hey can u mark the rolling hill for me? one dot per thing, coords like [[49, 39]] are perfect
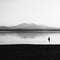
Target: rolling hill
[[30, 26]]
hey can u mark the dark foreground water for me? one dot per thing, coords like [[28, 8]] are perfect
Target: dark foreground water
[[29, 52], [29, 38]]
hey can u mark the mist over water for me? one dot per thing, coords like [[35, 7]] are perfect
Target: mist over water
[[29, 38]]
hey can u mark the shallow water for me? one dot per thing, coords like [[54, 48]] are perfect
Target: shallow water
[[29, 38]]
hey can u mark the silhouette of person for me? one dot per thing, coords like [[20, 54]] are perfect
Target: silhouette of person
[[49, 39]]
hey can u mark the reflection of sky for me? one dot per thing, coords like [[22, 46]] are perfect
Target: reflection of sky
[[14, 12], [22, 38], [26, 35], [26, 38]]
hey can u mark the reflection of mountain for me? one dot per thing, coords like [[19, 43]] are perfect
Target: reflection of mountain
[[24, 35], [31, 35]]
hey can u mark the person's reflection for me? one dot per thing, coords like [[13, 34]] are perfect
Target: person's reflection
[[49, 39]]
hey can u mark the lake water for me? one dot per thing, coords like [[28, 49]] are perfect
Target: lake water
[[29, 38]]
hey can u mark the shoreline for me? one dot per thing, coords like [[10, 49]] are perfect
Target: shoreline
[[29, 31]]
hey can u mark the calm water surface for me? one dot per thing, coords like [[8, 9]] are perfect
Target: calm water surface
[[29, 38]]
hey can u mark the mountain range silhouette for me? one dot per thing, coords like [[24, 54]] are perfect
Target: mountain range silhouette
[[30, 26], [27, 26]]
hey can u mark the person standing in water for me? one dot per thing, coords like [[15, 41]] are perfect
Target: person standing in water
[[49, 39]]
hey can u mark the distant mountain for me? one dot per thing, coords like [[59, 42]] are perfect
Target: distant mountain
[[30, 26], [4, 27], [27, 26]]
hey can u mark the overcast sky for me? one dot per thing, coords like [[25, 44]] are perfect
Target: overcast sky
[[45, 12]]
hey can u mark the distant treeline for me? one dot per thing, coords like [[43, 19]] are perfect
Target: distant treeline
[[29, 29]]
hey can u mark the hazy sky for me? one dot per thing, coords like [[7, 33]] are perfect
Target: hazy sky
[[14, 12]]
